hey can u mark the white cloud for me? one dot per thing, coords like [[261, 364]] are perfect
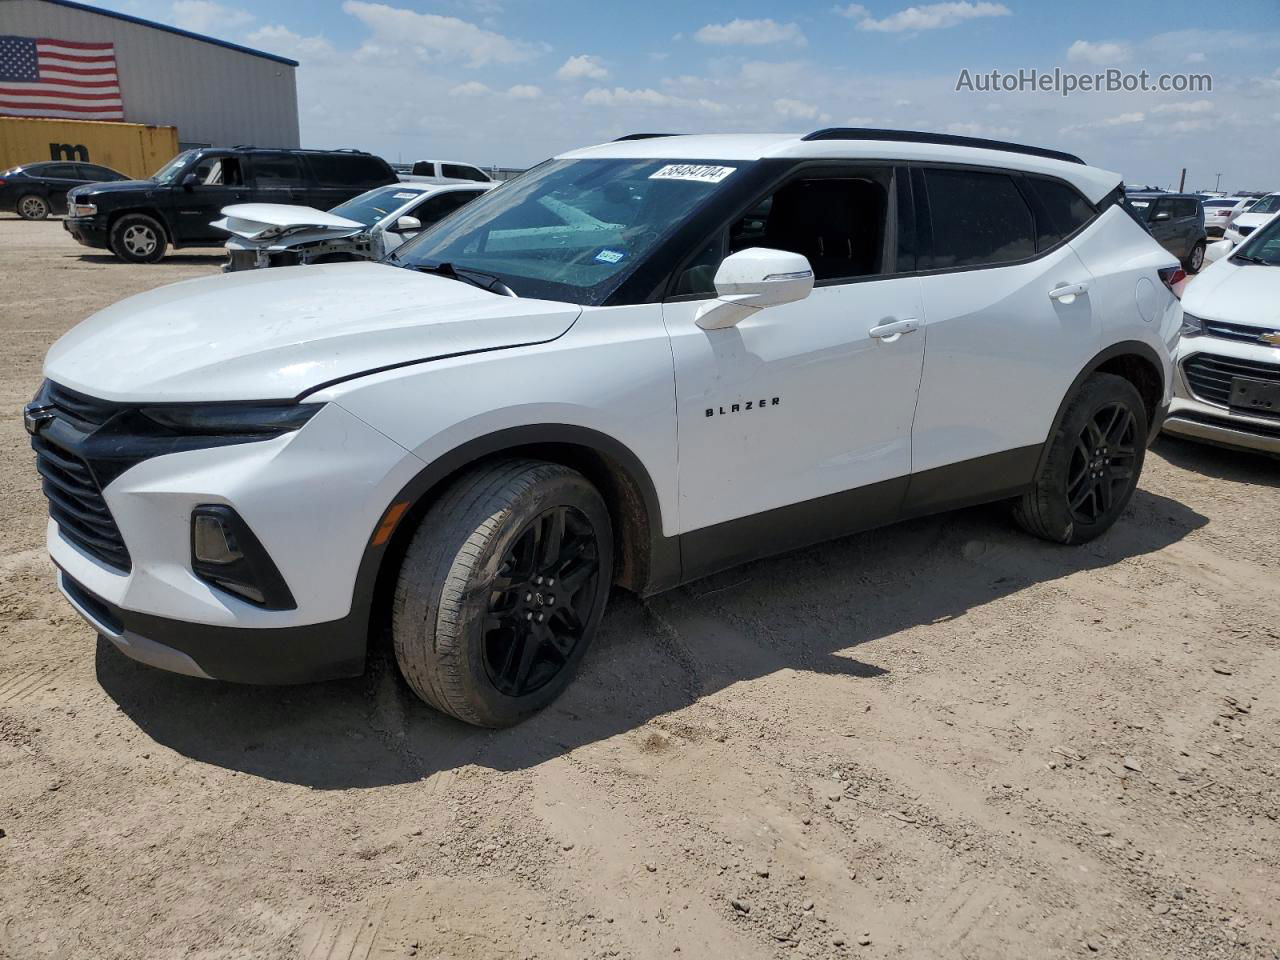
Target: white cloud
[[283, 41], [752, 33], [205, 16], [1098, 54], [1196, 57], [1185, 106], [433, 37], [797, 109], [582, 67], [524, 91], [473, 88], [854, 11], [645, 97], [933, 16], [1124, 119], [981, 130]]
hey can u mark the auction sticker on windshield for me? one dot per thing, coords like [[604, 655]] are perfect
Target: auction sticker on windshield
[[700, 172]]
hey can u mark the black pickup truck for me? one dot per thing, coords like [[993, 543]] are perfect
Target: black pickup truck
[[137, 219]]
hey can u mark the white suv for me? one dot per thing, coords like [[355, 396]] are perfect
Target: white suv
[[637, 364]]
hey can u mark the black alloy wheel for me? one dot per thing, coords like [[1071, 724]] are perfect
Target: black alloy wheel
[[1101, 463], [541, 601]]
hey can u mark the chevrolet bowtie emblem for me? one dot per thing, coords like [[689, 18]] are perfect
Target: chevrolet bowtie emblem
[[35, 417], [1272, 338]]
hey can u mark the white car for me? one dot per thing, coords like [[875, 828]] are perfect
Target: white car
[[1243, 224], [638, 364], [1228, 386], [367, 227], [1219, 212], [448, 171]]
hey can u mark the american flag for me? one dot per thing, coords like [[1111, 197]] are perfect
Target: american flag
[[59, 78]]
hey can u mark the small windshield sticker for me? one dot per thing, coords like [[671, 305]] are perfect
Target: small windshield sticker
[[699, 172], [403, 196], [610, 256]]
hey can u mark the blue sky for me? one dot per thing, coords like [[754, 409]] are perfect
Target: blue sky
[[513, 81]]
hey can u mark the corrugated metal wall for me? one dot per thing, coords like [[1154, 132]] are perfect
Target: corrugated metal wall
[[131, 148], [212, 94]]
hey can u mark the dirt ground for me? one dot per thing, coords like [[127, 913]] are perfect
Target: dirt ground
[[943, 740]]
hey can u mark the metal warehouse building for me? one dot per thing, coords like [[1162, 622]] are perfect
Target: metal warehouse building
[[216, 93]]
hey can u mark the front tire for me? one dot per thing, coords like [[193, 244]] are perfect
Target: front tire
[[501, 590], [1093, 464], [32, 206], [138, 238]]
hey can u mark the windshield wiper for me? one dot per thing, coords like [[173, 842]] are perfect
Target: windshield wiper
[[1250, 258], [491, 281]]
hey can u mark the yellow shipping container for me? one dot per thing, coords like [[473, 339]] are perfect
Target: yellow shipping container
[[136, 149]]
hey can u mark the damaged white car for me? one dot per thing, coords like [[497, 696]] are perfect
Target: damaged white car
[[367, 227]]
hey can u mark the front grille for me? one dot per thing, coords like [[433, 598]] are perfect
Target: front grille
[[1209, 376], [75, 495], [1234, 331]]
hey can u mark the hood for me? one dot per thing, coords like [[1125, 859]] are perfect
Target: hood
[[265, 221], [1251, 219], [114, 186], [1236, 293], [275, 334]]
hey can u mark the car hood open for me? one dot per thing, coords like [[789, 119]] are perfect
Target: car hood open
[[278, 333], [258, 222], [1236, 293]]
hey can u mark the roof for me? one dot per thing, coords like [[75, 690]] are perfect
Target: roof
[[127, 18], [1093, 182]]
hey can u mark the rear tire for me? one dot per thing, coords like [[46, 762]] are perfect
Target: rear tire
[[1195, 262], [32, 206], [1093, 464], [501, 590], [138, 238]]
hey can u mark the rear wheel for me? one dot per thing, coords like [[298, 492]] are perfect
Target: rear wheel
[[138, 238], [32, 206], [1195, 262], [1093, 464], [501, 590]]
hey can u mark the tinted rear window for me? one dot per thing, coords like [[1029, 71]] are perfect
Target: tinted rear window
[[978, 219], [1067, 210], [460, 171], [424, 168], [277, 168], [1185, 208], [348, 170]]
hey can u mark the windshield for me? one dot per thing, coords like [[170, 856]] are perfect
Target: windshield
[[1263, 246], [170, 170], [570, 230], [372, 205], [1267, 204]]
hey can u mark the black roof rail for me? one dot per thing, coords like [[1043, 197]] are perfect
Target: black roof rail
[[944, 139], [644, 136]]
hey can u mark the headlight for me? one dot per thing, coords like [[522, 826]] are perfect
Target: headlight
[[1192, 326], [79, 208], [232, 419]]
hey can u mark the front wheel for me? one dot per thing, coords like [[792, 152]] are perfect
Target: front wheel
[[32, 206], [138, 238], [1093, 463], [501, 590]]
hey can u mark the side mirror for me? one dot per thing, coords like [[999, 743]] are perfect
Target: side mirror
[[753, 279], [1163, 215], [190, 180], [408, 224], [1216, 251]]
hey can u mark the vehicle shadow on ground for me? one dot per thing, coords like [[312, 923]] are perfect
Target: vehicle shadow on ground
[[178, 259], [821, 609], [1224, 463]]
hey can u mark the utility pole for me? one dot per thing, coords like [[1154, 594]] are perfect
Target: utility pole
[[1217, 182], [1182, 181]]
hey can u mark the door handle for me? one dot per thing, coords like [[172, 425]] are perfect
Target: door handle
[[894, 329], [1067, 292]]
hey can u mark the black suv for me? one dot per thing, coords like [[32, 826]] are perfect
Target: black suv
[[1176, 220], [137, 219]]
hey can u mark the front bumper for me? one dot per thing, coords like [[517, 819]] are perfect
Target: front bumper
[[312, 498], [1192, 417], [87, 231]]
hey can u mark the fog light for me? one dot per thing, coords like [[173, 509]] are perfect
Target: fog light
[[225, 553]]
